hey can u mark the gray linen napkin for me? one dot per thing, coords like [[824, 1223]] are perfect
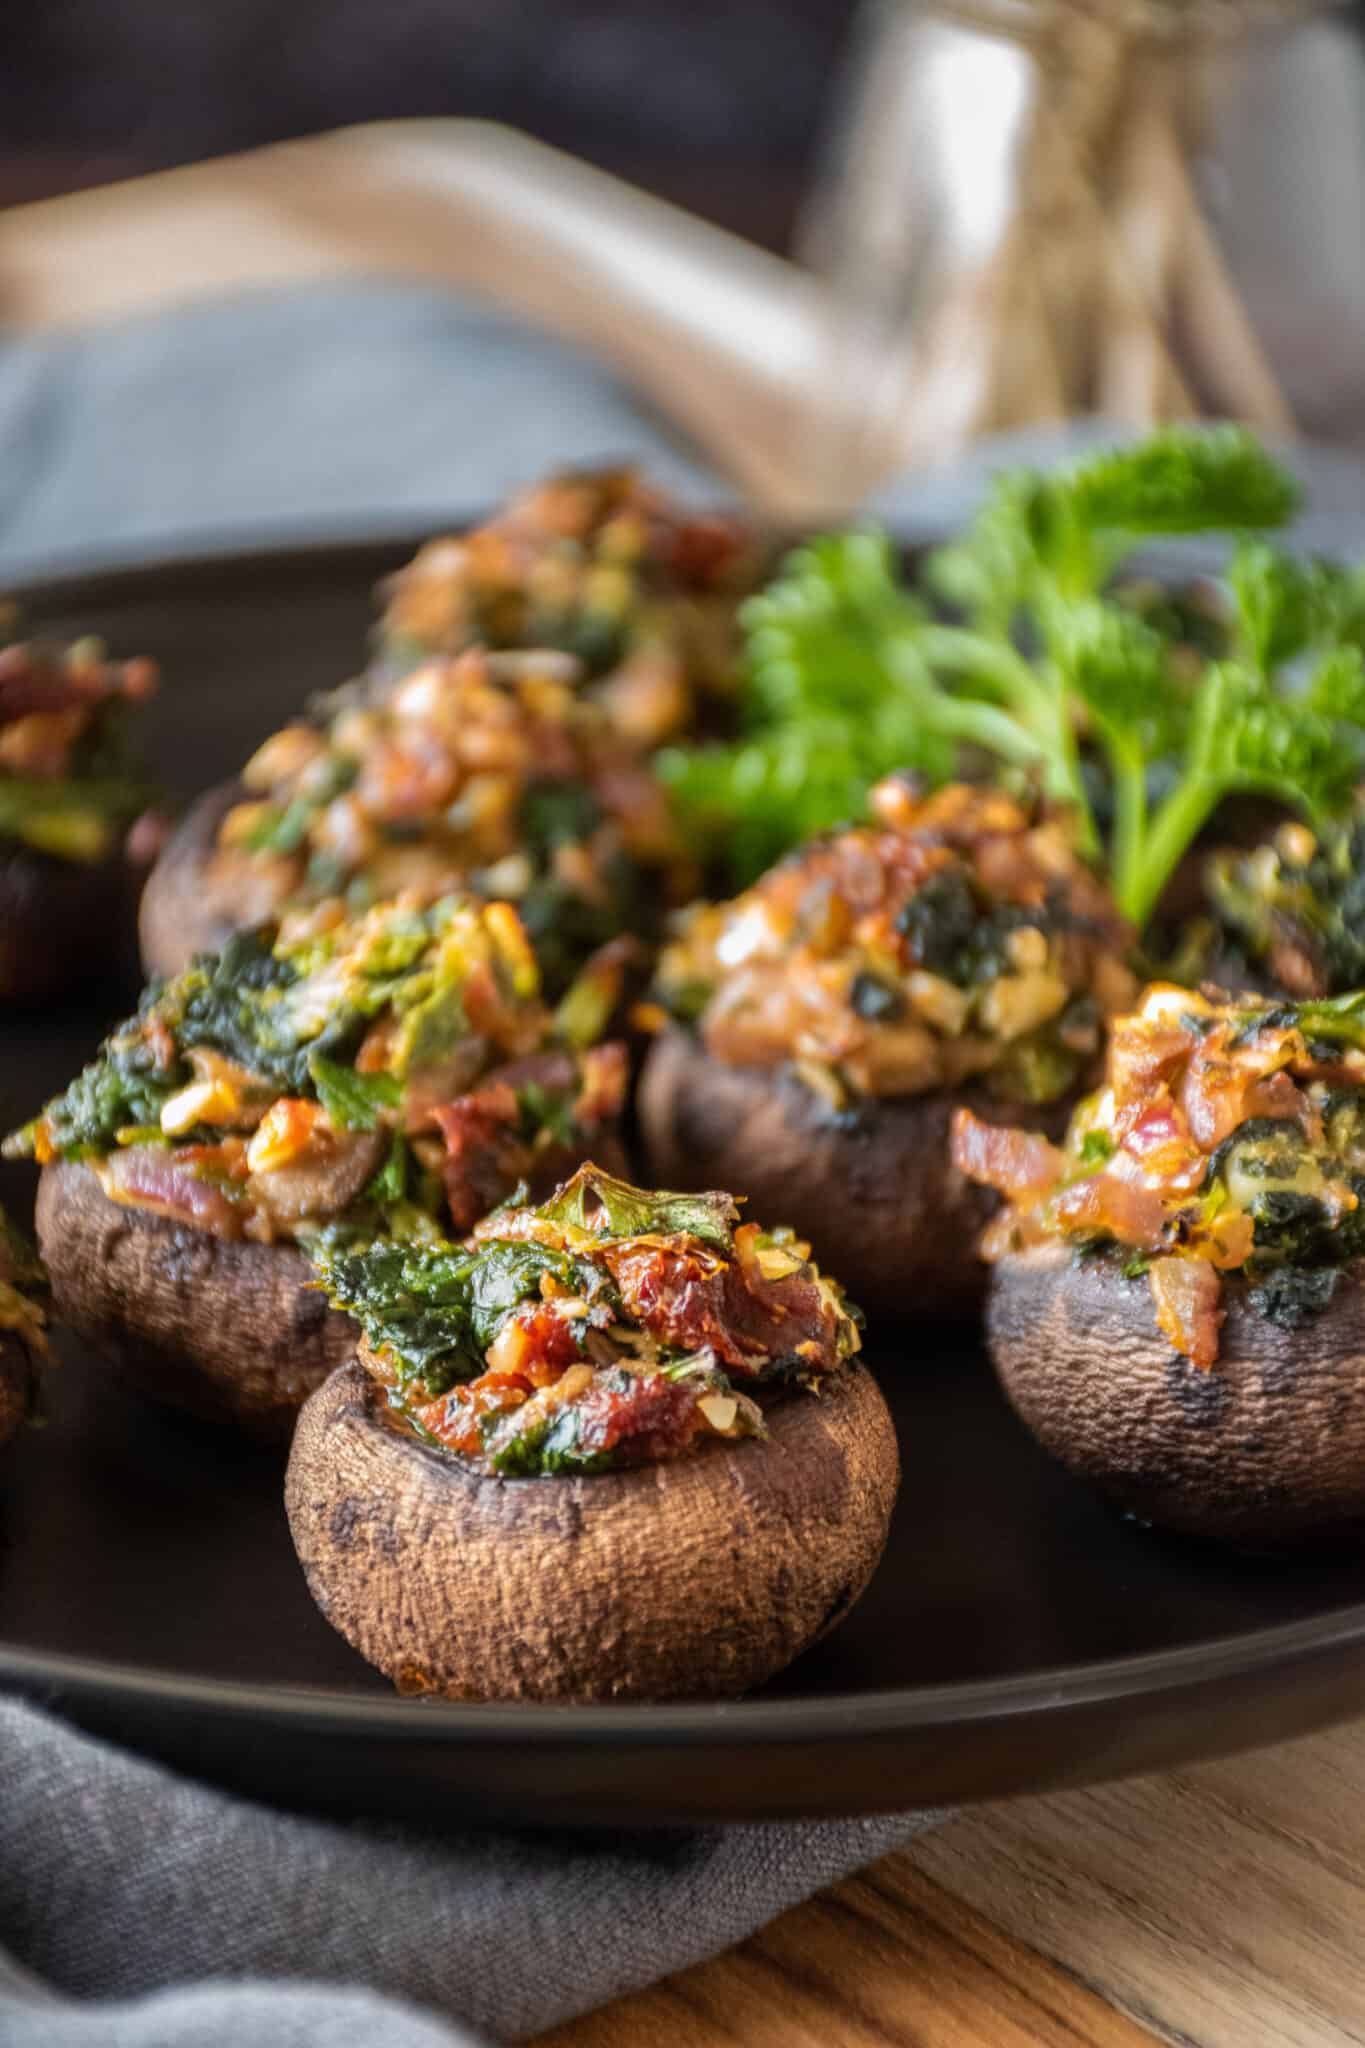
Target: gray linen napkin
[[118, 1879], [339, 408]]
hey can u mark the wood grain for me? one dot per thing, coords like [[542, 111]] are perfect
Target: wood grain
[[1220, 1907], [1225, 1902], [885, 1960]]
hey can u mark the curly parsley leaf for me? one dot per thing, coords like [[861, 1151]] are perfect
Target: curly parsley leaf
[[1184, 480], [823, 713], [852, 675]]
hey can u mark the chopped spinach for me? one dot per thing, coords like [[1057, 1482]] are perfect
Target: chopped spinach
[[281, 828], [547, 1109], [507, 1272], [71, 817], [555, 814], [1266, 902], [1293, 1295], [122, 1088], [549, 1447], [1291, 1225], [291, 1016], [876, 1000], [939, 921], [631, 1212], [437, 1309], [1035, 1068], [235, 1002], [390, 1184], [353, 1102]]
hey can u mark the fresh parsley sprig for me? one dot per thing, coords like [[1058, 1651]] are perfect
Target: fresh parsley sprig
[[852, 674]]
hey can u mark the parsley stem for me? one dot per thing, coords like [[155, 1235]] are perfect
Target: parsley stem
[[984, 725], [1174, 828], [991, 663], [1040, 706], [962, 718], [1130, 816], [1064, 779]]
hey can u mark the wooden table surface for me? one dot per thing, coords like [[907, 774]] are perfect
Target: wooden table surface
[[1221, 1906]]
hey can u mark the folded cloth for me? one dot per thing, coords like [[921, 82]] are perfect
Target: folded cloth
[[346, 408], [189, 1915]]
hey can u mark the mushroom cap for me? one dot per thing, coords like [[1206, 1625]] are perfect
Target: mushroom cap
[[694, 1578], [876, 1193], [15, 1377], [231, 1331], [1263, 1449], [61, 921], [186, 909]]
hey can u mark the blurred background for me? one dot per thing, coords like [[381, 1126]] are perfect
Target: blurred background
[[716, 105], [947, 221]]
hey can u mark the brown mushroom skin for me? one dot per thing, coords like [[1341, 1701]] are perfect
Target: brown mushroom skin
[[62, 922], [697, 1578], [15, 1384], [229, 1331], [876, 1194], [1263, 1451], [189, 905]]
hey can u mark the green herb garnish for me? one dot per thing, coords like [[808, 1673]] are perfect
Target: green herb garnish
[[851, 675]]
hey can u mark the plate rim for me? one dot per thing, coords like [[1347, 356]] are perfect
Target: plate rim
[[56, 576], [1184, 1667], [234, 546]]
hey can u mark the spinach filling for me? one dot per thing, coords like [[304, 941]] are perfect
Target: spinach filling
[[67, 817], [292, 1019], [432, 1311], [437, 1310], [230, 1004], [1308, 903], [564, 924], [1303, 1236], [551, 1448], [78, 815], [1292, 1190]]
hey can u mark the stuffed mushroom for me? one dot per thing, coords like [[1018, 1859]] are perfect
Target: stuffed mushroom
[[1177, 1307], [600, 565], [525, 675], [582, 1456], [486, 772], [74, 827], [23, 1327], [398, 1070], [954, 950]]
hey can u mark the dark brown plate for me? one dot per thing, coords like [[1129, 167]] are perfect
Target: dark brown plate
[[1017, 1635]]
